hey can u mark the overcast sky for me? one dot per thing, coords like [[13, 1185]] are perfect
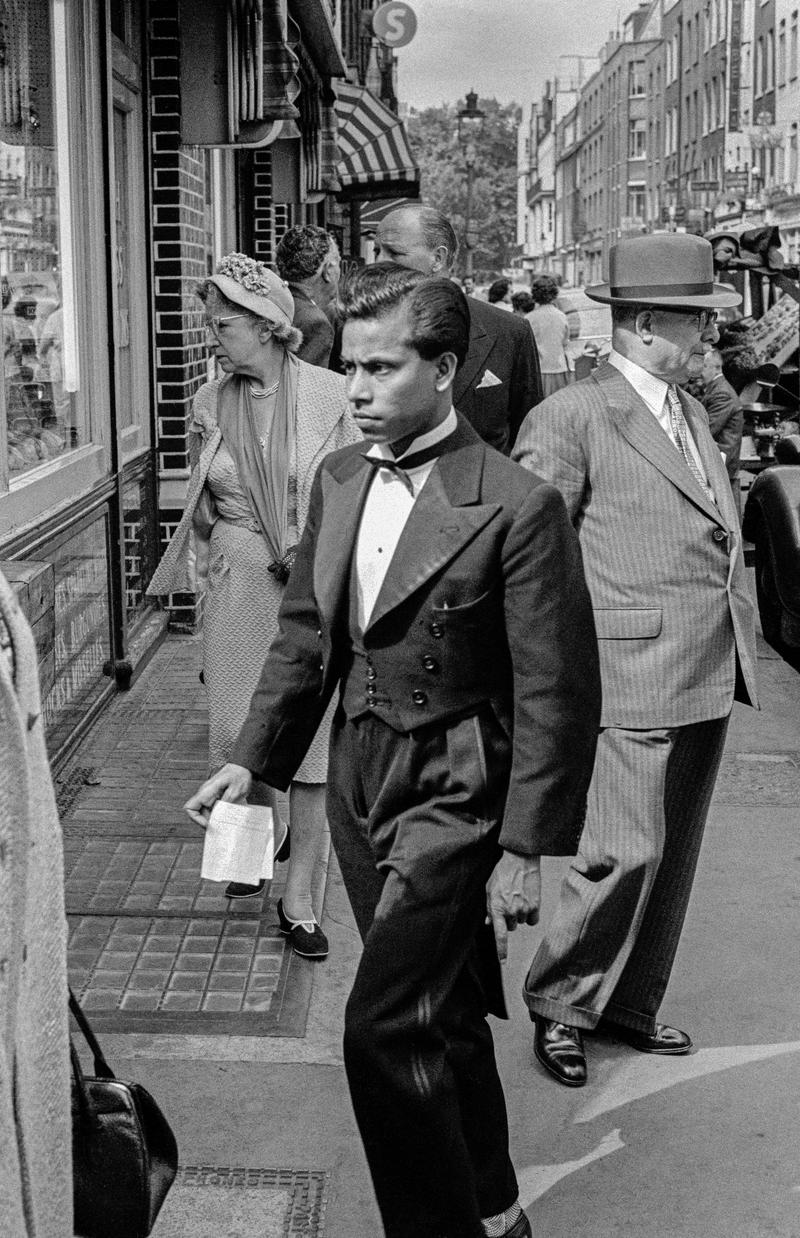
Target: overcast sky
[[502, 48]]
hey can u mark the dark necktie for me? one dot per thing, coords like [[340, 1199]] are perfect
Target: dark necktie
[[402, 467]]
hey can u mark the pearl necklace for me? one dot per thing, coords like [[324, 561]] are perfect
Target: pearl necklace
[[262, 395]]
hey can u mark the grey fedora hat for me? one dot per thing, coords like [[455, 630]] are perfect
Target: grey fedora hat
[[672, 269]]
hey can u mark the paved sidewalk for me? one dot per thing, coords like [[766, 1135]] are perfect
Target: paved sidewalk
[[696, 1147]]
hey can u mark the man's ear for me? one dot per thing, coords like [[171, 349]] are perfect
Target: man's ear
[[446, 366], [439, 260], [644, 326]]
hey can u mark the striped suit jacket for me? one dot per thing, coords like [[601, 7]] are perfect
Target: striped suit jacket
[[664, 564]]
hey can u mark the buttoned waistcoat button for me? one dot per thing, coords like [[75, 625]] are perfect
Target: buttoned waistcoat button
[[372, 675], [719, 535], [436, 630], [419, 697], [430, 663]]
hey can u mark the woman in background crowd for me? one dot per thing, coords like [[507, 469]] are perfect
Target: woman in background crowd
[[551, 331], [258, 435]]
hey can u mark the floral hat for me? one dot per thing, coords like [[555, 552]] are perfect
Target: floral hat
[[251, 284]]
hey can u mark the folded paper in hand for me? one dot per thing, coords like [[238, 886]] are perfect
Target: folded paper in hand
[[239, 843]]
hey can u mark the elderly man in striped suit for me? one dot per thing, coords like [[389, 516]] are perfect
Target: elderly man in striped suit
[[648, 493]]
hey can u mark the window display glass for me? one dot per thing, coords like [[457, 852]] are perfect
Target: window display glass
[[82, 642], [39, 408]]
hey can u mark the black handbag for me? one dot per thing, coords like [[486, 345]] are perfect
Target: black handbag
[[124, 1155]]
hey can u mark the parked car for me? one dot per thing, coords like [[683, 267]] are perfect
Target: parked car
[[589, 323], [772, 523]]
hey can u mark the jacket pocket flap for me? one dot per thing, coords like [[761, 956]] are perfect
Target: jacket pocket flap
[[631, 623]]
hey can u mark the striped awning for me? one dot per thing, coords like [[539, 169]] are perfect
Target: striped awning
[[374, 149]]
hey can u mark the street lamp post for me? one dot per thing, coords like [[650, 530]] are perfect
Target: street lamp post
[[470, 124]]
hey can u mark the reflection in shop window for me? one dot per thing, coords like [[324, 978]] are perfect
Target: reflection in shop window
[[40, 416]]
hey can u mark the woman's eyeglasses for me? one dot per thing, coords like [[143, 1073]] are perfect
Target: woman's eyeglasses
[[213, 325]]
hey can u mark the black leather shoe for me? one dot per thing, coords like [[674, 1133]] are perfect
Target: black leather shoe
[[559, 1048], [240, 889], [664, 1040], [307, 938]]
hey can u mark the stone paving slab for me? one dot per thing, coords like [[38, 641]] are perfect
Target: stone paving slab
[[211, 1201], [154, 949]]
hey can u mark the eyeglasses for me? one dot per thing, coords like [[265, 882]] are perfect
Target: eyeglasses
[[705, 317], [213, 324]]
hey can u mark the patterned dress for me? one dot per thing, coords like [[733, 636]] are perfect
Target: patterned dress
[[241, 614]]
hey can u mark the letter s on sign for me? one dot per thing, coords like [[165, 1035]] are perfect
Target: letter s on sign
[[395, 24]]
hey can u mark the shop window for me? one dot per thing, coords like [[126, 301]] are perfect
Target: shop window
[[82, 645], [40, 413]]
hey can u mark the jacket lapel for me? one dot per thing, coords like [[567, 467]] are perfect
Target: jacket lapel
[[343, 501], [444, 519], [638, 425], [481, 344]]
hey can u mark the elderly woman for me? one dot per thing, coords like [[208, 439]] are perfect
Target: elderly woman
[[258, 435], [551, 332]]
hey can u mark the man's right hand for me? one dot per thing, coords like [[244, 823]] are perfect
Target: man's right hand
[[232, 783]]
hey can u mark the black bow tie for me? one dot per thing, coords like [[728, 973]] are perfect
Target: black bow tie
[[402, 467]]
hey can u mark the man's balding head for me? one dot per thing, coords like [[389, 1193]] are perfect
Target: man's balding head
[[419, 237]]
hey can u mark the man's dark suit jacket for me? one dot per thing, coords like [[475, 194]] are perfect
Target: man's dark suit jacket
[[484, 606], [501, 346], [725, 420], [316, 328]]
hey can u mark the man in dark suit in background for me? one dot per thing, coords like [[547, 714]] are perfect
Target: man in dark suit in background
[[430, 588], [308, 260], [499, 381], [725, 417]]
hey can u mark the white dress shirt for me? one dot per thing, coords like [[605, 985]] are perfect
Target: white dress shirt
[[654, 393], [386, 510]]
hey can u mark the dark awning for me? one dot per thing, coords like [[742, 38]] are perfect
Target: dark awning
[[372, 213], [376, 159]]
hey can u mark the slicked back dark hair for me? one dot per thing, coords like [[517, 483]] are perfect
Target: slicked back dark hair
[[438, 311], [301, 251]]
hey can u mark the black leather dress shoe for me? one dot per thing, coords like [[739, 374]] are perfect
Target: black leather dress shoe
[[559, 1048], [239, 889], [664, 1039]]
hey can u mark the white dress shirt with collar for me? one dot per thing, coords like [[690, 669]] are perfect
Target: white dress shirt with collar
[[386, 510], [654, 393]]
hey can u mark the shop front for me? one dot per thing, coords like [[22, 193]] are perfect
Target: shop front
[[77, 509]]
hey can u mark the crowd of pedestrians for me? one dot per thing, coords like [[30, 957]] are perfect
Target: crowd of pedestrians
[[441, 611]]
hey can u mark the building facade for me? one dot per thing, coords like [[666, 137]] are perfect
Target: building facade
[[688, 121]]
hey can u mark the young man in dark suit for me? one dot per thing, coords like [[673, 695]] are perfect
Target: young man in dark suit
[[431, 588], [499, 381]]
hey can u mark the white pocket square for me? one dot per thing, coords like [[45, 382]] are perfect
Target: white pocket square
[[489, 380]]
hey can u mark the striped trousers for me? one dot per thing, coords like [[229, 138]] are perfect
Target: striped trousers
[[610, 946]]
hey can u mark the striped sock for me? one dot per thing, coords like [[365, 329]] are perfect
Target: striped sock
[[500, 1224]]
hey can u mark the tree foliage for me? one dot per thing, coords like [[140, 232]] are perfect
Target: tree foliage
[[433, 134]]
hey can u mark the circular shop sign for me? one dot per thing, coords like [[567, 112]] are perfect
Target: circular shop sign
[[395, 24]]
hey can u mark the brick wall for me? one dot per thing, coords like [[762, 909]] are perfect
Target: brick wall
[[182, 255], [269, 220]]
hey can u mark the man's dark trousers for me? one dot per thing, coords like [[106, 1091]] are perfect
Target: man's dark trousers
[[414, 820]]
